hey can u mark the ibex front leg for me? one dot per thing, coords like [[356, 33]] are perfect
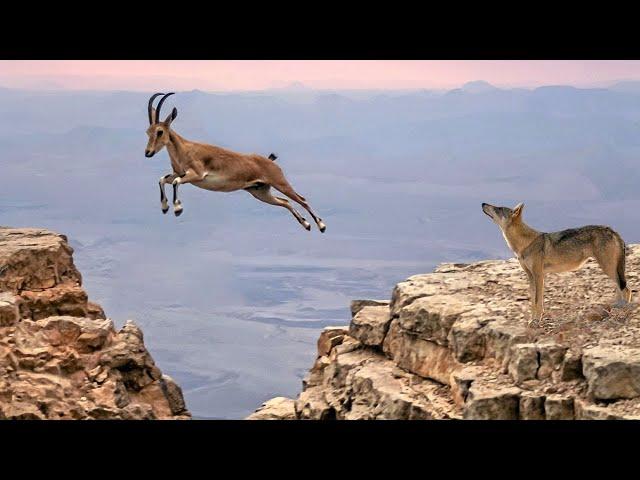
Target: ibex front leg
[[163, 197], [187, 177]]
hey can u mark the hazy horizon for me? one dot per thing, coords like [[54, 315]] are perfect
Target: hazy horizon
[[258, 75]]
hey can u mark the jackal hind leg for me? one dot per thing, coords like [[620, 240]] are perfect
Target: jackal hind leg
[[610, 263], [532, 294]]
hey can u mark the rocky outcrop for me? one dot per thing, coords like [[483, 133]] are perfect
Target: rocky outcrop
[[454, 344], [60, 357], [278, 408]]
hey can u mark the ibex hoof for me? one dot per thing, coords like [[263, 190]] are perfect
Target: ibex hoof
[[165, 210], [178, 212], [323, 227], [307, 226]]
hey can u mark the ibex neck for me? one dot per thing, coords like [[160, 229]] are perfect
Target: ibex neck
[[176, 145]]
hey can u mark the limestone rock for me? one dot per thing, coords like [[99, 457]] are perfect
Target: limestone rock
[[370, 325], [571, 368], [466, 339], [531, 406], [460, 381], [357, 305], [551, 357], [34, 259], [9, 309], [311, 405], [488, 403], [60, 358], [458, 345], [558, 407], [432, 317], [329, 338], [422, 357], [612, 372], [523, 362], [173, 393], [278, 408], [63, 299]]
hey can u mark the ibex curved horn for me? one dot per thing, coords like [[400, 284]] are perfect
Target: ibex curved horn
[[150, 108], [160, 106]]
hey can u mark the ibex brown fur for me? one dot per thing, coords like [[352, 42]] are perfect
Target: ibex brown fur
[[214, 168]]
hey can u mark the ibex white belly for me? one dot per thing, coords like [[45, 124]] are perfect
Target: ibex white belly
[[216, 182]]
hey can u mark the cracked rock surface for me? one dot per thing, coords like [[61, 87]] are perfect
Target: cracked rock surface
[[454, 344], [60, 357]]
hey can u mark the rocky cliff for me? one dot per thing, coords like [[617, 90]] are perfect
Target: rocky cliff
[[454, 344], [60, 357]]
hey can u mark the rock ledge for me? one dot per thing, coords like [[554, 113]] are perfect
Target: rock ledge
[[454, 344], [60, 357]]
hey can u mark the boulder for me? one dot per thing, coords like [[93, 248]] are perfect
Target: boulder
[[486, 402], [9, 309], [612, 372], [60, 358], [370, 325], [357, 305], [278, 408]]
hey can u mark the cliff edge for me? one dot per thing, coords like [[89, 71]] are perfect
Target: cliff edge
[[454, 344], [60, 357]]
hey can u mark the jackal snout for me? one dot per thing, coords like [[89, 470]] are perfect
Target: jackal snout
[[487, 209], [502, 215]]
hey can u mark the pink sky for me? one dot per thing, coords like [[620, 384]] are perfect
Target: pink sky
[[219, 75]]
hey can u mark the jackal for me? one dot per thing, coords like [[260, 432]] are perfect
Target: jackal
[[540, 252]]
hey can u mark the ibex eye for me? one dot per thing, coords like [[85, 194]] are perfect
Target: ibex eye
[[160, 132]]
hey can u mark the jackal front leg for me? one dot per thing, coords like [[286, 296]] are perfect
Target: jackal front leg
[[538, 299], [163, 197]]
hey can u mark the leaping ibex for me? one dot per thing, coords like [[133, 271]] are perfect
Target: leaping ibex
[[214, 168]]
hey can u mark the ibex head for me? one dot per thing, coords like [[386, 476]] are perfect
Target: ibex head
[[158, 131]]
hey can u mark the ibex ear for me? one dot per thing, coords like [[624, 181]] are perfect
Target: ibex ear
[[172, 116], [517, 211]]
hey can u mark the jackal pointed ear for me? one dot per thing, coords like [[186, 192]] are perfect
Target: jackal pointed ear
[[517, 211], [172, 116]]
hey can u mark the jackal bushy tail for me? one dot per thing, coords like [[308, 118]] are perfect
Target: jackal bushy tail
[[622, 281]]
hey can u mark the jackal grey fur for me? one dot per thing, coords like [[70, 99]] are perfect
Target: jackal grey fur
[[567, 250]]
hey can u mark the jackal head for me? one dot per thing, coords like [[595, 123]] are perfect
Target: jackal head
[[158, 132], [503, 216]]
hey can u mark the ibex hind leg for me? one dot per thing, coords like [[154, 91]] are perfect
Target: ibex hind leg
[[263, 193], [293, 195]]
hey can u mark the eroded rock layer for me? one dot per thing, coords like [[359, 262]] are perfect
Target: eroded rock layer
[[454, 344], [60, 357]]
